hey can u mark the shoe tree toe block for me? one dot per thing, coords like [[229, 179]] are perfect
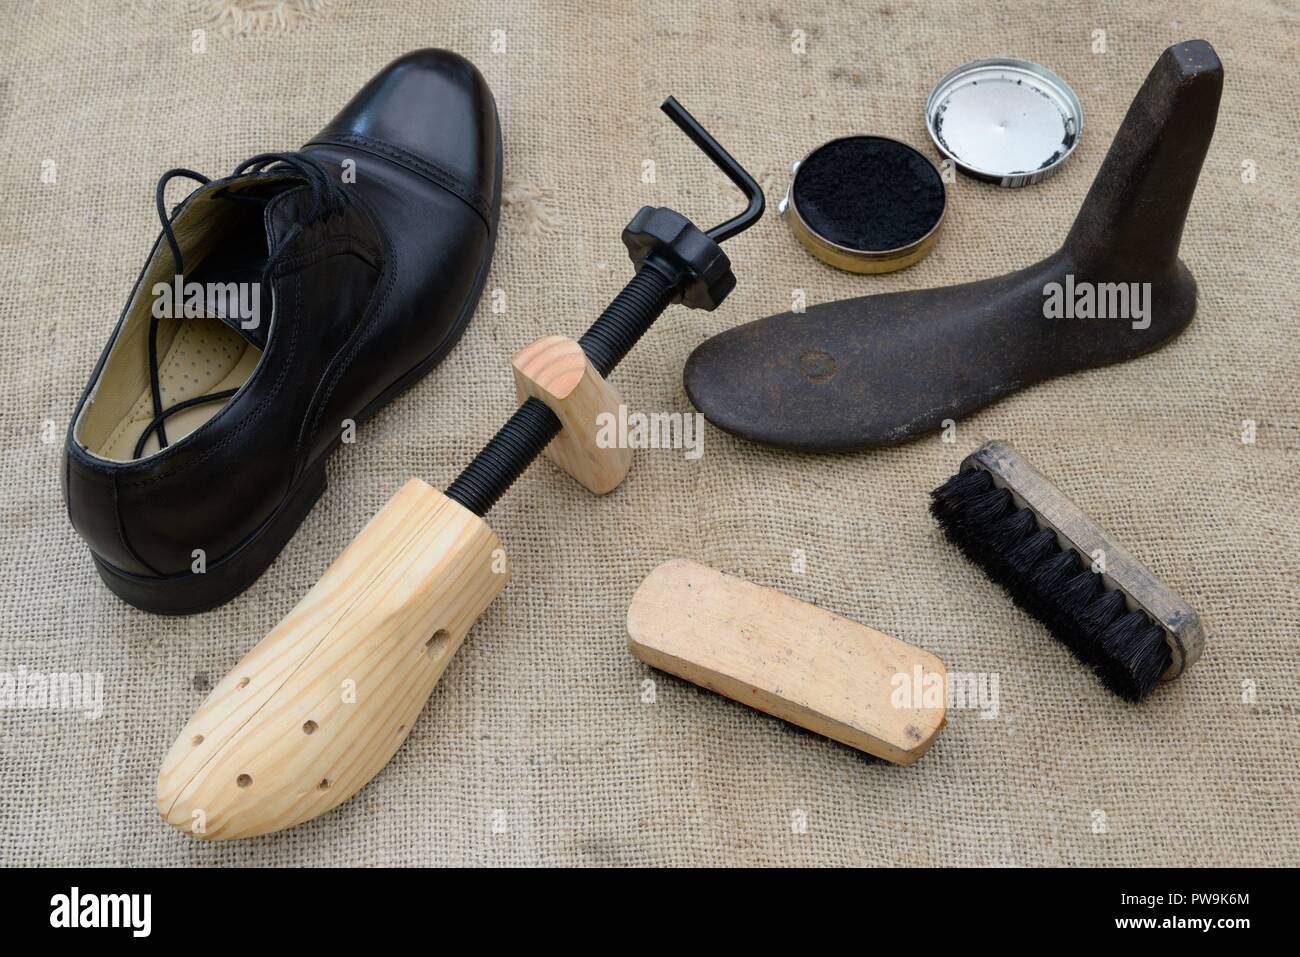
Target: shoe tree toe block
[[322, 703]]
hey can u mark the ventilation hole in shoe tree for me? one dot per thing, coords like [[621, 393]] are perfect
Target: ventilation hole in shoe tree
[[438, 641], [324, 785], [196, 740], [244, 780], [309, 727]]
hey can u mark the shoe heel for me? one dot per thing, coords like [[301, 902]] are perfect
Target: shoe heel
[[189, 593]]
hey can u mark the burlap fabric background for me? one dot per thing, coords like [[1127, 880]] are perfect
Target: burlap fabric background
[[539, 745]]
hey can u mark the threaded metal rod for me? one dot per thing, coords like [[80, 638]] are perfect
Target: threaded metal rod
[[531, 428], [626, 319], [505, 457]]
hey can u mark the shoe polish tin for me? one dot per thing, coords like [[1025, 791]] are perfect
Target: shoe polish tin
[[866, 204], [1004, 121]]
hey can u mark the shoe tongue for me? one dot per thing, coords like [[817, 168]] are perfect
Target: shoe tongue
[[234, 292], [285, 211], [230, 276]]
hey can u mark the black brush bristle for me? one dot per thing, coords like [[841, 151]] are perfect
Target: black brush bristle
[[1097, 617], [1078, 592], [1055, 585], [1135, 655], [1010, 530], [1048, 581], [1051, 575], [989, 544], [1032, 552], [962, 485], [1067, 603], [969, 498]]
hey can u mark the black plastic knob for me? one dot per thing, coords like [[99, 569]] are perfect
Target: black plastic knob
[[692, 263]]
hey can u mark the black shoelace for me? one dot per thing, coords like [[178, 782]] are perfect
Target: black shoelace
[[328, 197]]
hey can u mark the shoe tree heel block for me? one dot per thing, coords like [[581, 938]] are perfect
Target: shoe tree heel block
[[787, 658], [883, 369], [326, 698]]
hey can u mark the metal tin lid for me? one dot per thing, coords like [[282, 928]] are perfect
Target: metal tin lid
[[866, 204], [1005, 121]]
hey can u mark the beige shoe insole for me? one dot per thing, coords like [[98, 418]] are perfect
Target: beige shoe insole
[[205, 356]]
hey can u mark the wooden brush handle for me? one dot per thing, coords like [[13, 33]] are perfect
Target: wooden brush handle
[[320, 705], [791, 659]]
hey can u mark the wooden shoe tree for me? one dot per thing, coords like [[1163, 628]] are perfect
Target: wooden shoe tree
[[318, 708]]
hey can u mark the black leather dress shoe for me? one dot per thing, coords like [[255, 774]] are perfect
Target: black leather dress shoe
[[283, 302]]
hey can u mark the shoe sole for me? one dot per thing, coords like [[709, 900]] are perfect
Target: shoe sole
[[189, 593]]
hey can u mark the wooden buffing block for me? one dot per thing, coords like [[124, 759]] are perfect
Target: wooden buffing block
[[788, 658]]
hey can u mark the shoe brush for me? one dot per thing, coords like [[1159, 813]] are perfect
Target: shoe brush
[[1061, 567]]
